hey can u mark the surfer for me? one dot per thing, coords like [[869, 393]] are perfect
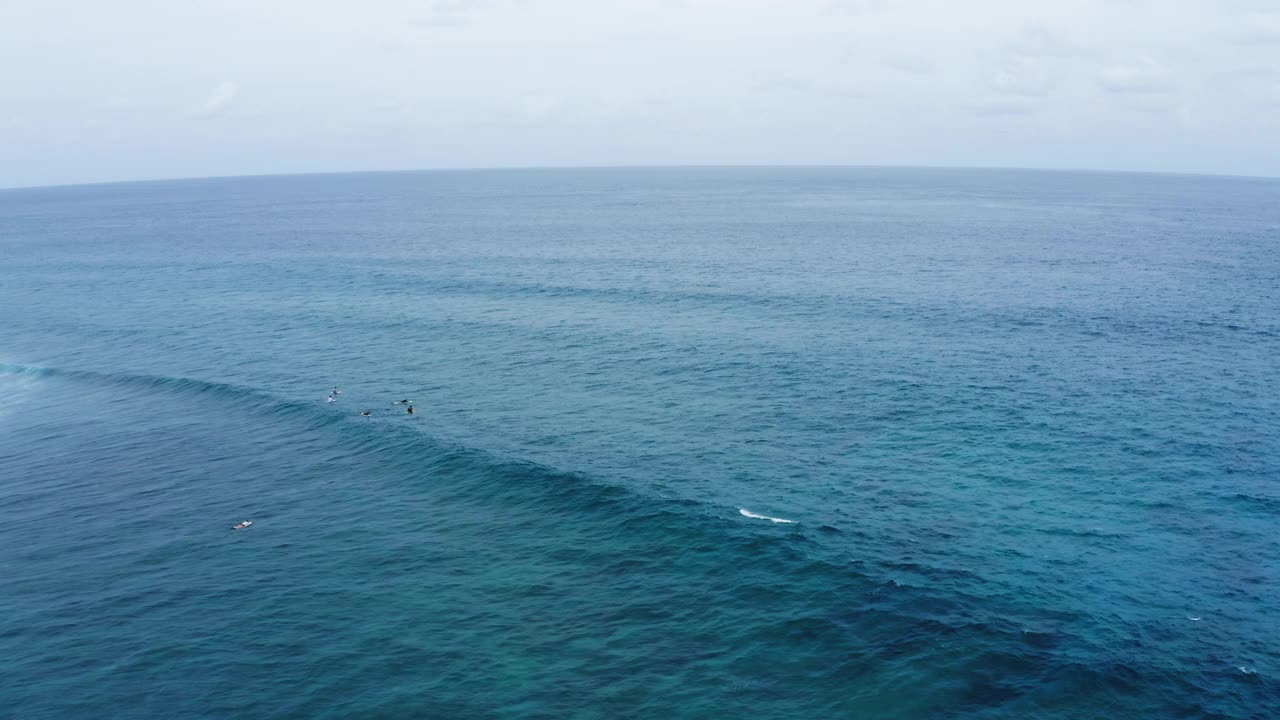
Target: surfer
[[409, 410], [366, 413], [403, 402], [331, 399], [336, 391], [242, 525]]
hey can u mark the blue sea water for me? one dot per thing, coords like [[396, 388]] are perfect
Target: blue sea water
[[1024, 425]]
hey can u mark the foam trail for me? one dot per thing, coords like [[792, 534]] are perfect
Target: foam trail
[[748, 513]]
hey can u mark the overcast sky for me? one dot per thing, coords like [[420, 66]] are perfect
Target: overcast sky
[[134, 89]]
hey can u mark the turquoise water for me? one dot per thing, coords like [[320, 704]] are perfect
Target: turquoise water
[[1024, 425]]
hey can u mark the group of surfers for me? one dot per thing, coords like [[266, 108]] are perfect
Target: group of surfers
[[333, 397]]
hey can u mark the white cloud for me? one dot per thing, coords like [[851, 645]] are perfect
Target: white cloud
[[447, 13], [117, 103], [910, 64], [1260, 28], [1002, 107], [1040, 41], [1018, 76], [536, 107], [1137, 75], [219, 98], [1259, 84]]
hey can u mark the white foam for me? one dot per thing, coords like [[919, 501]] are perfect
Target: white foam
[[748, 513], [17, 390], [1247, 671], [1194, 619]]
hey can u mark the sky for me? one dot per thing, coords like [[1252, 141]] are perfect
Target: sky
[[141, 89]]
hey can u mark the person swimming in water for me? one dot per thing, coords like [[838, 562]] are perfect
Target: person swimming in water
[[403, 402], [366, 413]]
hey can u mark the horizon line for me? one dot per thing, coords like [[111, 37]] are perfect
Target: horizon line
[[678, 166]]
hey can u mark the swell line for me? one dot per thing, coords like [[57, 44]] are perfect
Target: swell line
[[484, 473]]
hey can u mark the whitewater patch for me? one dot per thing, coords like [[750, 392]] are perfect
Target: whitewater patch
[[747, 513], [18, 388]]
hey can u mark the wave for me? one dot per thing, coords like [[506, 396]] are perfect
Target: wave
[[793, 302], [747, 513], [251, 401], [486, 474], [154, 382]]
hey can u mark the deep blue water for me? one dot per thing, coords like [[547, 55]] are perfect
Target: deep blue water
[[1025, 425]]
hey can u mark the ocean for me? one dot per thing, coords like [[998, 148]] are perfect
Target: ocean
[[688, 443]]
